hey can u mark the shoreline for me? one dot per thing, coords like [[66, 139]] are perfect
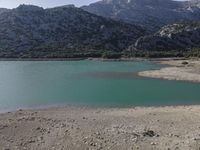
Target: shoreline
[[179, 70], [92, 59], [61, 106], [40, 108], [81, 128]]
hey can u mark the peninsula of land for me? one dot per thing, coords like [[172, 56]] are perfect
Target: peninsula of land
[[181, 70]]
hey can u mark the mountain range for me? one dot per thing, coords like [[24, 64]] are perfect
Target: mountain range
[[61, 32], [151, 14], [104, 27]]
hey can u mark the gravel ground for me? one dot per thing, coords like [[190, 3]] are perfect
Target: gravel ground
[[85, 128]]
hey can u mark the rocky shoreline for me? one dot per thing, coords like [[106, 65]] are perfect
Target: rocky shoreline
[[180, 70], [83, 128]]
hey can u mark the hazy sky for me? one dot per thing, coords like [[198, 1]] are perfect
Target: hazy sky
[[43, 3]]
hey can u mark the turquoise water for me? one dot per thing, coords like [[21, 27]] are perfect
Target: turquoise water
[[25, 84]]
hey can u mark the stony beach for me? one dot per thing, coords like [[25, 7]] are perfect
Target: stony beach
[[84, 128]]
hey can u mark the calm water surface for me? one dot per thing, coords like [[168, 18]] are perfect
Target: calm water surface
[[94, 83]]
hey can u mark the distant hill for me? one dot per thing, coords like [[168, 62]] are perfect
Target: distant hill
[[151, 14], [31, 31], [185, 36]]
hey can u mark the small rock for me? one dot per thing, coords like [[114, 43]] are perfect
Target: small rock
[[97, 133], [31, 119], [100, 147], [63, 125], [177, 135], [84, 118], [185, 63], [38, 128], [40, 138], [3, 127], [196, 139], [153, 143], [92, 144], [149, 133], [137, 147], [31, 141]]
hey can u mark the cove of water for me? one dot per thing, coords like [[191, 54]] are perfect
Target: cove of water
[[29, 84]]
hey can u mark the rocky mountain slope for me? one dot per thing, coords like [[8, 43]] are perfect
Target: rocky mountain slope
[[2, 10], [152, 14], [171, 37], [31, 31]]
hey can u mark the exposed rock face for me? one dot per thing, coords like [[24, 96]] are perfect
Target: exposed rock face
[[30, 28], [195, 3], [152, 14], [172, 37]]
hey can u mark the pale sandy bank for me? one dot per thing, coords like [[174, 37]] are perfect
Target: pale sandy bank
[[183, 70], [73, 128]]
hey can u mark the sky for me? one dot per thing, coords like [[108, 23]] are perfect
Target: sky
[[44, 3]]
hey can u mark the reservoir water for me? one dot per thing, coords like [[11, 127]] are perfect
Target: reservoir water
[[29, 84]]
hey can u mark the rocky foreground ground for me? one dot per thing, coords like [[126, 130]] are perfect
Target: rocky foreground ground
[[181, 70], [82, 128]]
